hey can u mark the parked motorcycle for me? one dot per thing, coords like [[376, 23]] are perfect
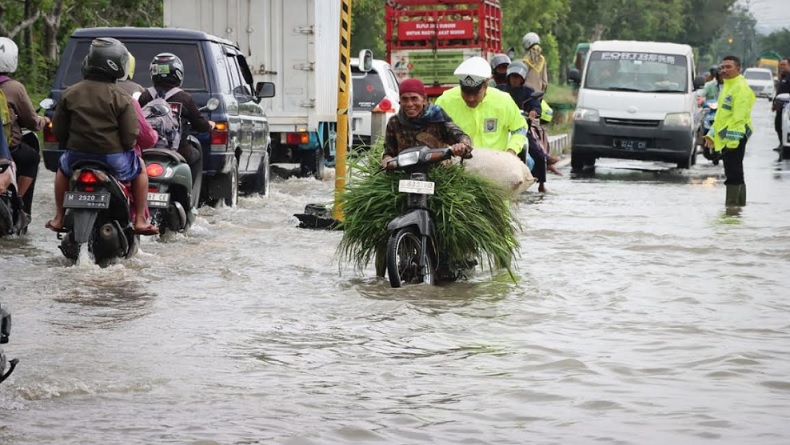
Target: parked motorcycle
[[5, 332], [172, 194], [708, 116], [13, 219], [411, 255], [783, 101]]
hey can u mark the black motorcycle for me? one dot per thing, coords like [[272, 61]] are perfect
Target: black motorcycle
[[13, 219], [412, 255], [5, 332], [98, 213]]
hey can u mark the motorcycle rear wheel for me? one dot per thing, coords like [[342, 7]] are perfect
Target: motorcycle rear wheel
[[404, 255]]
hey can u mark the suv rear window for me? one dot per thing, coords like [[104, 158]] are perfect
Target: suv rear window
[[368, 89], [144, 52]]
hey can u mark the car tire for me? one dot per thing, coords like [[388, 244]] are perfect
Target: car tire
[[263, 176]]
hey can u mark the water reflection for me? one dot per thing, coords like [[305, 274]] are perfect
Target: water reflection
[[99, 304]]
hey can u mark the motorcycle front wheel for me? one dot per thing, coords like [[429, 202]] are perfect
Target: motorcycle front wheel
[[404, 256]]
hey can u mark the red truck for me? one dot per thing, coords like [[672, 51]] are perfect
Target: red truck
[[428, 39]]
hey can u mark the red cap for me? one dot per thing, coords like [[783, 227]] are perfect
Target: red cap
[[412, 86]]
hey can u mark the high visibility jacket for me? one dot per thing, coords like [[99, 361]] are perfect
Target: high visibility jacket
[[734, 116], [496, 122]]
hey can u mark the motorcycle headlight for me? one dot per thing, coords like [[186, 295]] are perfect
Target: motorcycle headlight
[[407, 159], [677, 120], [586, 114]]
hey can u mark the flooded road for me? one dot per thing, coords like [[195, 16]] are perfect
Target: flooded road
[[644, 314]]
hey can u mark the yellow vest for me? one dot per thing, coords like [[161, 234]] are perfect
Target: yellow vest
[[495, 123], [733, 120]]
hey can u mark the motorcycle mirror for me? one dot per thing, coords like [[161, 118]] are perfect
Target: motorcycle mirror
[[47, 103], [365, 60]]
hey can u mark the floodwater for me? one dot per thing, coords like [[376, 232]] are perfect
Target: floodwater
[[643, 314]]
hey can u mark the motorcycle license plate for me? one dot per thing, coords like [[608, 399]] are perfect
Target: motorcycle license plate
[[410, 186], [630, 144], [158, 200], [86, 200]]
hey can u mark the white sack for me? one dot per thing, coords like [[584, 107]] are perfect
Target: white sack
[[500, 167]]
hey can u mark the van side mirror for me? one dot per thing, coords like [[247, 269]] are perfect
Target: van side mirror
[[47, 104], [264, 89], [575, 76], [699, 82], [511, 52], [365, 60]]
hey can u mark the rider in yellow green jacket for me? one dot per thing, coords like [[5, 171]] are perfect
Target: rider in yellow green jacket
[[490, 117], [732, 128]]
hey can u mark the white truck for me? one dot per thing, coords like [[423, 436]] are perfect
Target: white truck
[[296, 45]]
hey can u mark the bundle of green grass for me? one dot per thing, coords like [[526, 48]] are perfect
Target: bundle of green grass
[[472, 214]]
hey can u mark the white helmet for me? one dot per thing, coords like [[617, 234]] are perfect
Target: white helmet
[[530, 39], [473, 72], [9, 55]]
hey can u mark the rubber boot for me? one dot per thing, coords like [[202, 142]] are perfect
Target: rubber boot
[[742, 195], [733, 195]]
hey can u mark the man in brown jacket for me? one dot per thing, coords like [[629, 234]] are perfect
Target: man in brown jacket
[[23, 115], [96, 120]]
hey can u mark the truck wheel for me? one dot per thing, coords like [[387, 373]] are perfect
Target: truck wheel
[[312, 163]]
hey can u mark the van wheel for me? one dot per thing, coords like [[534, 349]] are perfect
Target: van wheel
[[578, 162], [312, 163], [690, 159]]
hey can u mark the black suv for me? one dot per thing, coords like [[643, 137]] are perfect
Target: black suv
[[237, 152]]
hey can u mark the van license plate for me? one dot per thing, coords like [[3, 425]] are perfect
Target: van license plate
[[86, 200], [158, 200], [630, 144], [410, 186]]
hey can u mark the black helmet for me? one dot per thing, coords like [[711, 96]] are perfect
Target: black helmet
[[714, 71], [167, 68], [106, 56], [499, 59], [158, 110]]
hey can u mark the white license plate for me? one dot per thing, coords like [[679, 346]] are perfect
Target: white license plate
[[86, 200], [158, 199], [410, 186]]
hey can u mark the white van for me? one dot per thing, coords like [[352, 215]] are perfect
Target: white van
[[636, 101], [761, 81]]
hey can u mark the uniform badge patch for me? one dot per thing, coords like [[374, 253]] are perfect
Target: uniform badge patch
[[489, 125]]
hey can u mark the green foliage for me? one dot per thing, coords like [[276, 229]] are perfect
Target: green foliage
[[778, 41], [367, 28], [473, 216]]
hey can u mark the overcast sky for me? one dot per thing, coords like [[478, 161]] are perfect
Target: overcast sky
[[771, 15]]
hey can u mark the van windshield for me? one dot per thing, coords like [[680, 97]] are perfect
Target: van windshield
[[144, 52], [642, 72], [758, 75]]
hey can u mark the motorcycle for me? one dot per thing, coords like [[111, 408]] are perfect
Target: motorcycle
[[5, 332], [98, 213], [708, 116], [172, 194], [13, 219], [782, 101], [411, 255]]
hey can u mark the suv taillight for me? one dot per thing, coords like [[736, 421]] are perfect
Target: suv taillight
[[219, 135], [48, 135], [384, 106]]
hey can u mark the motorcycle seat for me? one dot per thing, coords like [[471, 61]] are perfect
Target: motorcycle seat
[[171, 154]]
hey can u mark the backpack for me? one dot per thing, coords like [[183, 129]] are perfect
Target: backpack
[[163, 119], [5, 112]]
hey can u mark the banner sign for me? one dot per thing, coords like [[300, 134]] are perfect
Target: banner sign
[[463, 29]]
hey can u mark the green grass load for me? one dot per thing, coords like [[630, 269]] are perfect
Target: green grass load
[[472, 214]]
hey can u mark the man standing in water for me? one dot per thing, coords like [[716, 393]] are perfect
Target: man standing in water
[[732, 128]]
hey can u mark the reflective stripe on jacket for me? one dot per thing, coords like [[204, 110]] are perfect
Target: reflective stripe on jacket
[[733, 118], [495, 123]]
